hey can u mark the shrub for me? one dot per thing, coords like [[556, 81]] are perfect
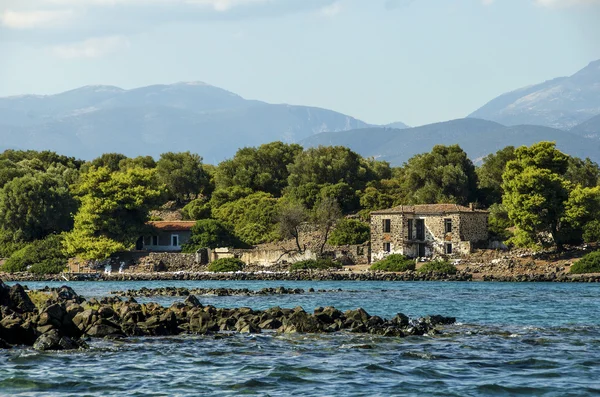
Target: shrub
[[588, 264], [394, 263], [196, 209], [438, 266], [348, 232], [40, 257], [224, 265], [209, 233], [319, 264]]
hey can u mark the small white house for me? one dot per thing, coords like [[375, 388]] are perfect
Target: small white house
[[167, 236]]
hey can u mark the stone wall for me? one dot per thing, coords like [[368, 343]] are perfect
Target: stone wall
[[395, 237]]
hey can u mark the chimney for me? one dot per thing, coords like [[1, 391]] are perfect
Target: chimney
[[472, 206]]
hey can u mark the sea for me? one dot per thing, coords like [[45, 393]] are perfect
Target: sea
[[510, 339]]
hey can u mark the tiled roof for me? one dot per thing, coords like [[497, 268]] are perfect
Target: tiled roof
[[428, 209], [172, 226]]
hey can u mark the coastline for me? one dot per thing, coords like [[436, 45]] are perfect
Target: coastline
[[461, 276]]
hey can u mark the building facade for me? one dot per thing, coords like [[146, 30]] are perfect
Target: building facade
[[167, 236], [427, 230]]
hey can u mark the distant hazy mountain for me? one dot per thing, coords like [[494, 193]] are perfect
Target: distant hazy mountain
[[398, 124], [213, 122], [589, 128], [560, 103], [477, 137]]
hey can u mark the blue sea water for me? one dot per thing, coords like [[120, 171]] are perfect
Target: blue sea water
[[511, 339]]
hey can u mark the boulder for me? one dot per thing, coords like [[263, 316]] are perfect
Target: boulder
[[54, 341]]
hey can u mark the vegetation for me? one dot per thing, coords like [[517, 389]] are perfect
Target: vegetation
[[319, 264], [394, 263], [590, 263], [40, 257], [209, 233], [536, 195], [224, 265], [438, 266], [350, 231]]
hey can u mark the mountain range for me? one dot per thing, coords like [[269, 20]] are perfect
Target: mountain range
[[92, 120], [561, 103], [213, 122]]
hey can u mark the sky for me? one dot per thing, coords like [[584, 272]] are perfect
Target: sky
[[416, 61]]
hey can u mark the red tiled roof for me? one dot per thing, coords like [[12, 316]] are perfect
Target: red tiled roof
[[428, 209], [172, 226]]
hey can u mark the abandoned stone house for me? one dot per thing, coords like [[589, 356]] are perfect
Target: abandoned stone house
[[427, 230], [166, 236]]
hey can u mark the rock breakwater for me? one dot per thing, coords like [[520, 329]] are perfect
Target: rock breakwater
[[179, 291], [62, 319]]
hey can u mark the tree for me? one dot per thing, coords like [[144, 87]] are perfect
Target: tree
[[585, 173], [536, 193], [112, 161], [262, 169], [35, 205], [291, 217], [196, 209], [137, 162], [490, 175], [445, 175], [113, 212], [182, 174], [325, 215], [350, 231], [209, 233], [253, 218], [40, 257], [329, 165]]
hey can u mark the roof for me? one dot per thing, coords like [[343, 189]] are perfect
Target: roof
[[172, 226], [429, 209]]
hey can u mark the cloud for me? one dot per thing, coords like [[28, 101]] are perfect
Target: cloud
[[91, 48], [34, 19], [331, 10], [565, 3], [487, 2], [217, 5]]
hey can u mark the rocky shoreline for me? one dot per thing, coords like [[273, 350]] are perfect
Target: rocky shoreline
[[180, 291], [63, 320], [308, 275]]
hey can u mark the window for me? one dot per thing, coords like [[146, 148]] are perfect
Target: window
[[175, 240], [448, 225], [154, 240], [410, 229], [387, 225], [387, 247], [448, 248]]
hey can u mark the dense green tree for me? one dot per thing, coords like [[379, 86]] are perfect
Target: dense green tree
[[137, 162], [9, 171], [226, 195], [490, 175], [346, 197], [112, 161], [46, 158], [35, 205], [113, 212], [253, 218], [209, 233], [498, 223], [585, 173], [445, 175], [350, 231], [196, 209], [260, 169], [40, 257], [380, 195], [182, 174], [536, 193]]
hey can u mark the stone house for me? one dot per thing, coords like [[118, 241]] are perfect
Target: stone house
[[427, 230], [166, 236]]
